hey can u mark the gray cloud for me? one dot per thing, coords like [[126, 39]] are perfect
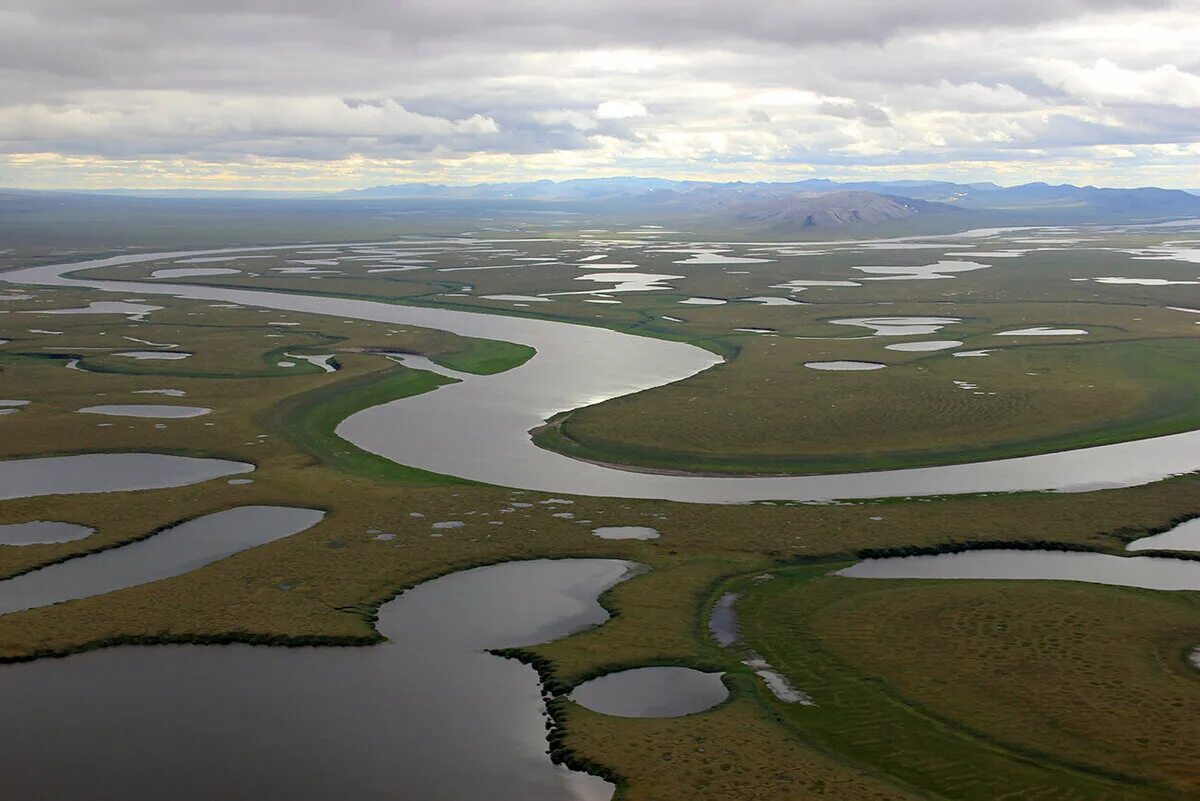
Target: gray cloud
[[855, 110], [616, 86]]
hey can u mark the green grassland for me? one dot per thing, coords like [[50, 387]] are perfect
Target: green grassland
[[990, 689], [323, 585], [764, 412]]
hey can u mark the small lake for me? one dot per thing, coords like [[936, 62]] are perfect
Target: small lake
[[652, 692], [134, 311], [517, 298], [151, 355], [1146, 572], [1184, 537], [1043, 331], [108, 472], [845, 366], [12, 406], [771, 300], [322, 360], [626, 533], [722, 622], [900, 326], [177, 550], [193, 272], [41, 531], [942, 269], [920, 347], [427, 715], [146, 410]]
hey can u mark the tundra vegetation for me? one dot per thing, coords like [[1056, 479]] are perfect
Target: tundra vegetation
[[964, 689]]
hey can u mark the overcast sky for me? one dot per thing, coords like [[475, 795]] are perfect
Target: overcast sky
[[316, 94]]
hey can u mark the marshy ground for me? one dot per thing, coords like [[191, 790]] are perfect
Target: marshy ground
[[922, 689]]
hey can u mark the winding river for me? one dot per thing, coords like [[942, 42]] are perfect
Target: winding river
[[479, 427], [427, 714]]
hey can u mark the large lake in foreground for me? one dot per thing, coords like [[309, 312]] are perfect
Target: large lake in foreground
[[427, 715]]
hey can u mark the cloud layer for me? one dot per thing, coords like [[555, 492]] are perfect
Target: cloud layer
[[306, 93]]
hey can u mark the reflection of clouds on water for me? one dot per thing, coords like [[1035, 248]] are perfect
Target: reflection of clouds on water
[[1166, 253], [845, 366], [900, 326], [1140, 281], [214, 259], [918, 347], [192, 272], [618, 364], [146, 410], [624, 282], [720, 258], [1146, 572], [134, 311], [154, 354], [800, 284], [1043, 331], [519, 298], [941, 269], [1183, 537], [768, 300]]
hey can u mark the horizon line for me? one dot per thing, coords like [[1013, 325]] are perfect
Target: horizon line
[[562, 180]]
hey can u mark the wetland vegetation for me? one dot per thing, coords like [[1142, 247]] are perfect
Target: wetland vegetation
[[836, 687]]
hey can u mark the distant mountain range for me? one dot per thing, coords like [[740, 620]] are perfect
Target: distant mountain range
[[822, 203], [776, 210], [735, 208]]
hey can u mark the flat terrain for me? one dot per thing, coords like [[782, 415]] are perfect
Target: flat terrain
[[923, 690], [990, 689], [770, 309]]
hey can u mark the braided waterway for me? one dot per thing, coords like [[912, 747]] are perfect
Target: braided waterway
[[427, 714], [479, 427]]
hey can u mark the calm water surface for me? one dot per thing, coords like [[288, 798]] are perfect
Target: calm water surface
[[652, 692], [479, 428], [1184, 537], [844, 366], [108, 472], [427, 716], [626, 533], [146, 410], [40, 531], [155, 355], [1147, 572], [722, 623], [177, 550]]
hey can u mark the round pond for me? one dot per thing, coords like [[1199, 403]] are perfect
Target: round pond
[[652, 692]]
